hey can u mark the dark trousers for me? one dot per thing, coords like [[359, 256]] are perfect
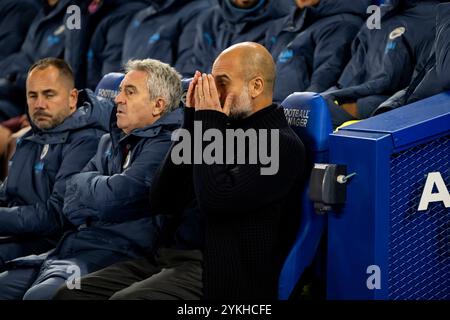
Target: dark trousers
[[39, 279], [173, 275], [338, 114], [12, 248]]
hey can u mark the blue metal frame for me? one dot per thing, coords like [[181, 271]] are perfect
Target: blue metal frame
[[359, 234]]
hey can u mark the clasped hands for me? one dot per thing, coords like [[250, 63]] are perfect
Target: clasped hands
[[203, 95]]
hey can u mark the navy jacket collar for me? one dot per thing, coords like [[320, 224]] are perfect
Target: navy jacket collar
[[60, 6], [298, 19], [156, 8], [264, 10]]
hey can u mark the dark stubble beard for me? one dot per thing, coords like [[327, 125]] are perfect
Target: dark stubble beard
[[241, 107], [51, 122]]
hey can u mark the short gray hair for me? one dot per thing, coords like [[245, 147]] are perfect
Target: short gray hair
[[163, 80]]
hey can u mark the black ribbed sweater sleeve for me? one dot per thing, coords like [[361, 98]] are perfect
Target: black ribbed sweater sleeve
[[237, 189], [172, 188]]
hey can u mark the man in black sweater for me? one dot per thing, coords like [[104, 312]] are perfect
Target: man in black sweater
[[232, 213], [250, 217]]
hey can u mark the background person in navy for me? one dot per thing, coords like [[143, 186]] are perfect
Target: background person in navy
[[311, 46], [227, 23], [45, 38], [95, 49], [65, 130], [434, 77], [165, 31], [14, 24], [108, 200], [384, 60]]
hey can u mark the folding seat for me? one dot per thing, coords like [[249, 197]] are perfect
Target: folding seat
[[308, 116], [108, 87]]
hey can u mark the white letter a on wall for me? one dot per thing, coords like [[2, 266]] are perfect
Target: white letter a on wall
[[434, 179]]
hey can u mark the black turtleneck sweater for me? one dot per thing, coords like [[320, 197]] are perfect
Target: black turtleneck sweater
[[250, 219]]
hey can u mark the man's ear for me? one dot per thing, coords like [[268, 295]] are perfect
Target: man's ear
[[73, 99], [256, 87], [160, 106]]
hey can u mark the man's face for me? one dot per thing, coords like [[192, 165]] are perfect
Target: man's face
[[307, 3], [229, 79], [50, 98], [244, 4], [134, 107], [52, 3]]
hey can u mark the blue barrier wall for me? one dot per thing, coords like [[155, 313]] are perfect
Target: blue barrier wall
[[380, 234]]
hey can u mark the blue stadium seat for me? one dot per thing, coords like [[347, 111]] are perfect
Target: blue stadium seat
[[185, 83], [108, 87], [308, 115], [185, 86]]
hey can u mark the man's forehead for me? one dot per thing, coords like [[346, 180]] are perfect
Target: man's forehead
[[221, 74], [49, 73], [134, 78], [225, 73], [226, 65], [43, 79]]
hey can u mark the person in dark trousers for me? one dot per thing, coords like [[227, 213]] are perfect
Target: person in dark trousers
[[311, 46], [383, 60], [434, 77], [66, 126], [175, 271], [107, 202], [227, 23], [251, 216]]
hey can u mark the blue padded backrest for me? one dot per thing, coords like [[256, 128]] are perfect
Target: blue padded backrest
[[185, 86], [185, 83], [108, 87], [308, 116]]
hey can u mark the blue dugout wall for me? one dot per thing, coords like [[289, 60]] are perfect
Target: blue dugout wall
[[380, 246]]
